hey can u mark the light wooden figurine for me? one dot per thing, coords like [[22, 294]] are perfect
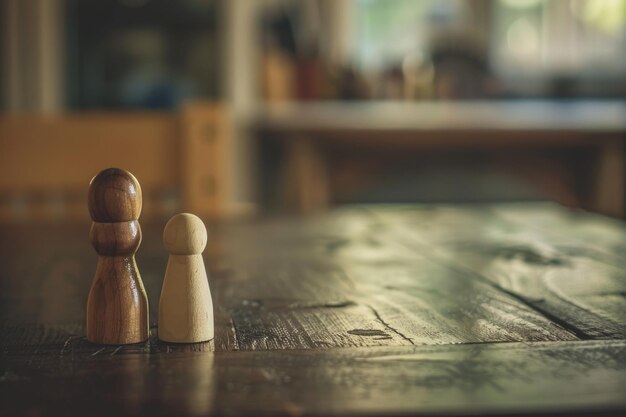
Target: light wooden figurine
[[185, 306], [117, 307]]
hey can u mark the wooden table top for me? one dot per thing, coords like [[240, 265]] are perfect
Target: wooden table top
[[373, 310]]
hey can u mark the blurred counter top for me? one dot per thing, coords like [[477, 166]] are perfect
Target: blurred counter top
[[604, 116]]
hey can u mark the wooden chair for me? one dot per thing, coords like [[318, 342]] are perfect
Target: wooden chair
[[180, 159]]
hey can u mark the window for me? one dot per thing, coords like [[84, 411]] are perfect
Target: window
[[568, 37]]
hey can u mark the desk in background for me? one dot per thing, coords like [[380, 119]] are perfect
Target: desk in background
[[529, 137]]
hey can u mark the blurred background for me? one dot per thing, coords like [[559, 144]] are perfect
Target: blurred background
[[235, 107]]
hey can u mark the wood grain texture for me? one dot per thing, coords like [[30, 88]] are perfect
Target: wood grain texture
[[351, 279], [344, 280], [114, 196], [111, 239], [577, 280], [554, 378], [368, 310], [117, 306], [359, 305]]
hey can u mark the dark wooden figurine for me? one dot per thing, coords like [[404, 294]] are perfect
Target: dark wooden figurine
[[117, 307]]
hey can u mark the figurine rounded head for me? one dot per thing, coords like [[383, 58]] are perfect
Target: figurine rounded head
[[185, 234], [114, 196]]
